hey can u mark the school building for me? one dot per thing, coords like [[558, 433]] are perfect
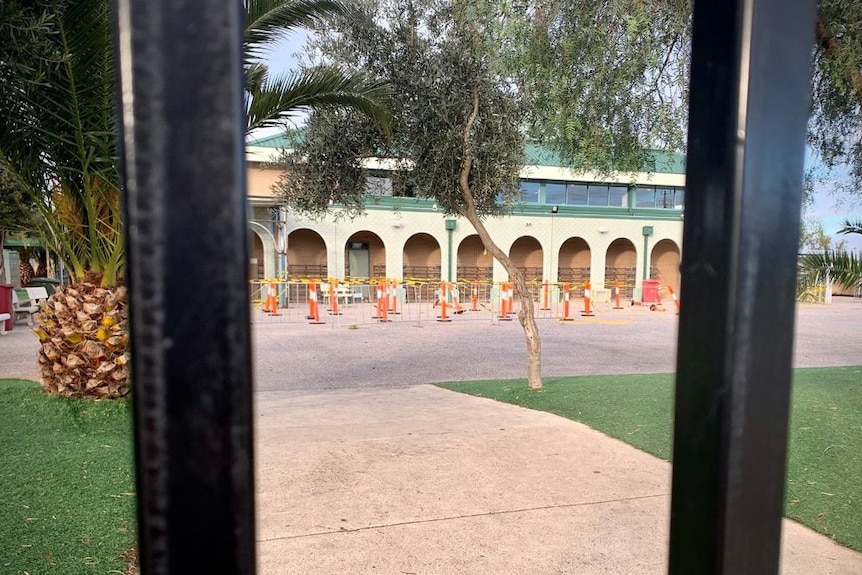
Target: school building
[[570, 227]]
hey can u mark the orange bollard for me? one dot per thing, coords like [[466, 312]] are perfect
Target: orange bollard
[[270, 306], [674, 297], [566, 303], [456, 300], [382, 303], [546, 296], [313, 310], [474, 296], [444, 296], [504, 302], [587, 312], [333, 297], [393, 298], [617, 295]]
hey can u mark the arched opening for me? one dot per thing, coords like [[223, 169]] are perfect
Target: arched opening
[[474, 263], [306, 255], [256, 270], [664, 264], [422, 257], [573, 264], [526, 254], [364, 256], [621, 266]]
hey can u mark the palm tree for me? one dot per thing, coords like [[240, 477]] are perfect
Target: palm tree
[[837, 266], [270, 101], [851, 227], [57, 121]]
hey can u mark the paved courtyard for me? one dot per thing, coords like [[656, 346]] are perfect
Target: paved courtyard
[[364, 468]]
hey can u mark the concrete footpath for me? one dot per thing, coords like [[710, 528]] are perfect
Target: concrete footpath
[[421, 480], [359, 473]]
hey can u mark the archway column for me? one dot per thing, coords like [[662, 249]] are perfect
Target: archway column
[[268, 241]]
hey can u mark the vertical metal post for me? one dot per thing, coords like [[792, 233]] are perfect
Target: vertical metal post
[[751, 64], [182, 133]]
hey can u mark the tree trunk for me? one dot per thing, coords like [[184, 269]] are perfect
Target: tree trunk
[[526, 315], [2, 259]]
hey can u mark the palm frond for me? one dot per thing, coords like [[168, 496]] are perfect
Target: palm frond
[[841, 267], [59, 134], [275, 100], [269, 20], [851, 227]]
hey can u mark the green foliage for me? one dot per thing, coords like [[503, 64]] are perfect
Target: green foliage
[[851, 227], [842, 267], [272, 101], [824, 463], [432, 54], [835, 126], [56, 114], [66, 470], [603, 82]]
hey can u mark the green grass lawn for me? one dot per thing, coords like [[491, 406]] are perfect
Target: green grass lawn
[[824, 476], [66, 483]]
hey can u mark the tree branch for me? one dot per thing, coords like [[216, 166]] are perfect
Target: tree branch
[[832, 47]]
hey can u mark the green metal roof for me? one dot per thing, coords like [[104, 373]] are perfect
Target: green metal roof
[[274, 141], [534, 155], [17, 243], [665, 162]]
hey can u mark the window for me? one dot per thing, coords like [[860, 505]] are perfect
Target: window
[[555, 193], [576, 194], [664, 197], [645, 197], [679, 199], [598, 195], [619, 196], [378, 186], [529, 192]]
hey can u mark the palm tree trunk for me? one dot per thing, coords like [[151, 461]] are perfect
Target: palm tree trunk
[[525, 316]]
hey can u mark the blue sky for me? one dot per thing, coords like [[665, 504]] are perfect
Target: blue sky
[[827, 208]]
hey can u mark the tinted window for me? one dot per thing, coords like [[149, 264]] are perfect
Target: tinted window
[[576, 194], [555, 193], [664, 197], [529, 192], [646, 197], [679, 199], [618, 196], [598, 194]]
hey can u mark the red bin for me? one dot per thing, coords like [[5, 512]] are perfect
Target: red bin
[[6, 304], [650, 291]]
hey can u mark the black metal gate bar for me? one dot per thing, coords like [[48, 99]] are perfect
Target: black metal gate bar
[[183, 131], [750, 82]]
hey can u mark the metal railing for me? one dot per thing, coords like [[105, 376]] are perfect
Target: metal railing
[[180, 64]]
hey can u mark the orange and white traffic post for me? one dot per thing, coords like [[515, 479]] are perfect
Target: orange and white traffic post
[[313, 309], [444, 303], [674, 297], [546, 296], [587, 295], [566, 303], [617, 295], [474, 296], [456, 299], [333, 297], [382, 302], [393, 298], [271, 304], [504, 303]]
